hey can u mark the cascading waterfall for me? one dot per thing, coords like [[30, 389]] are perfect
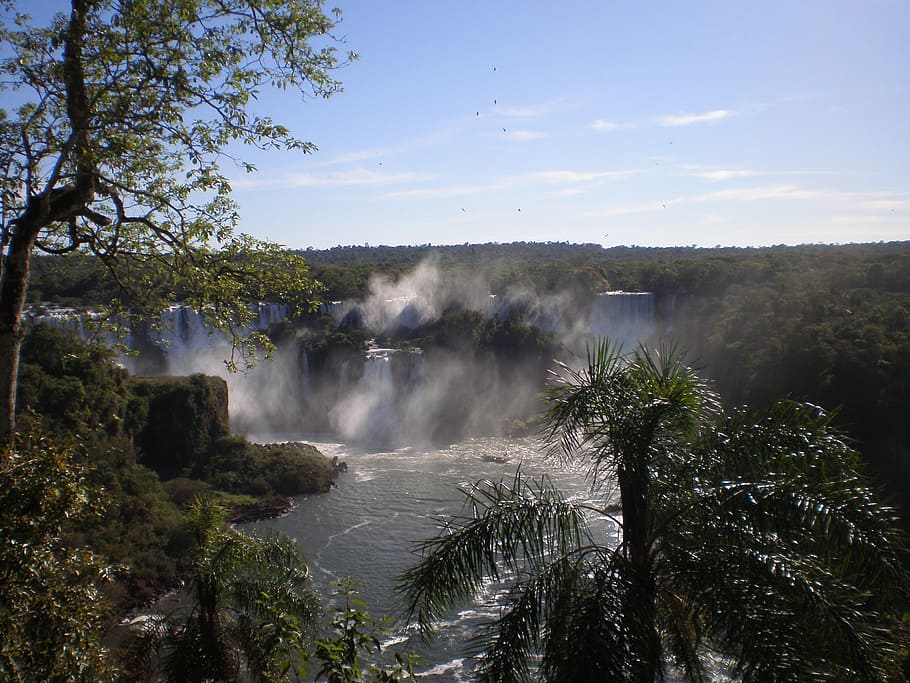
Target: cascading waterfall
[[305, 370], [398, 399], [388, 396], [625, 318], [372, 410]]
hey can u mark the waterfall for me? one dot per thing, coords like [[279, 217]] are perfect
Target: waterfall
[[337, 310], [625, 318], [344, 377], [372, 410], [304, 371], [389, 396], [380, 407]]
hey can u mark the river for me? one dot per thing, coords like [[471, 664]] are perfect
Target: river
[[368, 527]]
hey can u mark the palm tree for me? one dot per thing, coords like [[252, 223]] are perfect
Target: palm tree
[[748, 539], [247, 614]]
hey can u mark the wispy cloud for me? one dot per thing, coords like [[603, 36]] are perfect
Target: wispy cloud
[[722, 174], [715, 174], [877, 219], [441, 134], [354, 176], [442, 191], [843, 201], [689, 119], [667, 120], [525, 135], [530, 111], [762, 193], [901, 205], [581, 180], [566, 177]]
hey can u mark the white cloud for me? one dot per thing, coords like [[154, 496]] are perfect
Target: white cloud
[[557, 177], [762, 193], [887, 219], [689, 119], [446, 191], [603, 124], [833, 199], [888, 204], [626, 209], [580, 179], [718, 174]]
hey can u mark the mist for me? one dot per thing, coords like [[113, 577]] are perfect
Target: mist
[[419, 382]]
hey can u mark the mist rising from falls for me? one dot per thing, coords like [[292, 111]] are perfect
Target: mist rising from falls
[[370, 411], [434, 379]]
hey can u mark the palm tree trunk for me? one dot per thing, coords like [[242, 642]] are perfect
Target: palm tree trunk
[[640, 608]]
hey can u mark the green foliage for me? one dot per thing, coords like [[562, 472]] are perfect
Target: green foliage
[[51, 606], [752, 536], [355, 634], [239, 466], [76, 387], [248, 609], [141, 527]]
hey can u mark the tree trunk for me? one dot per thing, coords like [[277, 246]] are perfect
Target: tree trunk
[[639, 608], [44, 208], [13, 288]]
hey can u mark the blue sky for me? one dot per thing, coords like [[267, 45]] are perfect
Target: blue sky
[[651, 123], [662, 123]]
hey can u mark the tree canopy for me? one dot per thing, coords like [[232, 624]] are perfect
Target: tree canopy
[[126, 113], [51, 607], [249, 609]]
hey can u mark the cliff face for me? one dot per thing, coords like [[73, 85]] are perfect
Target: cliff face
[[186, 417], [185, 434]]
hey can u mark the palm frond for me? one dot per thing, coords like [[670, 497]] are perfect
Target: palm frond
[[679, 621], [781, 540], [250, 602], [584, 637], [510, 526]]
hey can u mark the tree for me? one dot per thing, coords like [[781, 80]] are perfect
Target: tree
[[354, 635], [127, 110], [248, 610], [751, 536], [51, 608]]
